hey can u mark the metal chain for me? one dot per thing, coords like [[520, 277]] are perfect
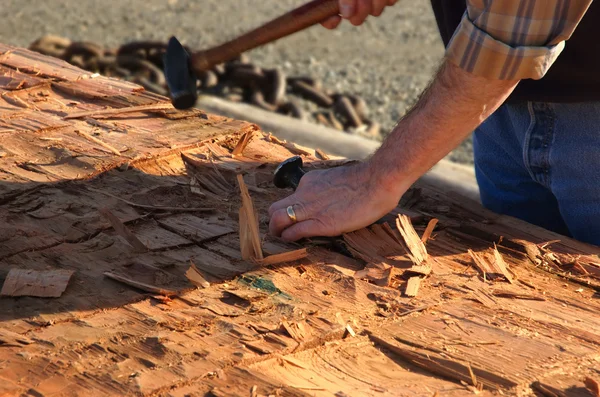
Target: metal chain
[[239, 80]]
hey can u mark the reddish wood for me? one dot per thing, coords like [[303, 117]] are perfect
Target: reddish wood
[[286, 329], [284, 257]]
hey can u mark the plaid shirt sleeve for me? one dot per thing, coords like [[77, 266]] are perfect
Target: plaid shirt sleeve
[[514, 39]]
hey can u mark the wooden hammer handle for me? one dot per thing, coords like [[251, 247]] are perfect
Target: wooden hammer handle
[[303, 17]]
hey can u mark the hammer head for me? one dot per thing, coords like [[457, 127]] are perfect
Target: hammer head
[[180, 77], [289, 173]]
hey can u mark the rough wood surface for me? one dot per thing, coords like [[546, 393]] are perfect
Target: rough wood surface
[[189, 316], [42, 284]]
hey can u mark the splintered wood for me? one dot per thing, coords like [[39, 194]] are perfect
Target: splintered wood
[[43, 284], [484, 297], [429, 230], [196, 277], [417, 251], [164, 282], [249, 234], [242, 143], [412, 287], [382, 248], [491, 265], [416, 248], [284, 257], [205, 178]]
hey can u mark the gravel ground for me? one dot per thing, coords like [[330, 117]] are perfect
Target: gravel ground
[[388, 61]]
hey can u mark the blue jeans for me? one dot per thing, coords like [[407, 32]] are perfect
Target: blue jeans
[[540, 162]]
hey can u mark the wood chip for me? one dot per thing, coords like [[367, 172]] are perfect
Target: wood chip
[[322, 155], [423, 270], [380, 274], [116, 112], [41, 284], [473, 377], [284, 257], [513, 295], [249, 232], [501, 265], [379, 247], [142, 286], [480, 263], [274, 139], [592, 386], [296, 149], [412, 287], [491, 265], [350, 331], [123, 231], [429, 230], [196, 277], [242, 143], [417, 251], [582, 269], [417, 310]]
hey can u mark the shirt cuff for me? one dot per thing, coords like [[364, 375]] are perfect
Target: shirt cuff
[[478, 53]]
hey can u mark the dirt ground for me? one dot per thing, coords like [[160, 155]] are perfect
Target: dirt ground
[[388, 61]]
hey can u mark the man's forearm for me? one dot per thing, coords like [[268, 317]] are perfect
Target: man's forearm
[[454, 105]]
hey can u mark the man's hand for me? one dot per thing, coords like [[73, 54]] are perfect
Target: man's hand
[[357, 11], [345, 199], [334, 201]]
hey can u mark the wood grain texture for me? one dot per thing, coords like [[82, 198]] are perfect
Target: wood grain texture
[[190, 316]]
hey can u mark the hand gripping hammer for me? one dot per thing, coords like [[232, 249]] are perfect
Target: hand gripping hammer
[[181, 68]]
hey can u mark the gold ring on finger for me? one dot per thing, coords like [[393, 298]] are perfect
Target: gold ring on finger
[[291, 214]]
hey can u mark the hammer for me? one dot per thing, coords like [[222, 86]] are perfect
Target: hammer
[[181, 68]]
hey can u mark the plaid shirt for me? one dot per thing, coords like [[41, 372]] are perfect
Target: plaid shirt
[[512, 39]]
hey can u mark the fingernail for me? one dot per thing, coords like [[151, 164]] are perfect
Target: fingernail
[[347, 10]]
